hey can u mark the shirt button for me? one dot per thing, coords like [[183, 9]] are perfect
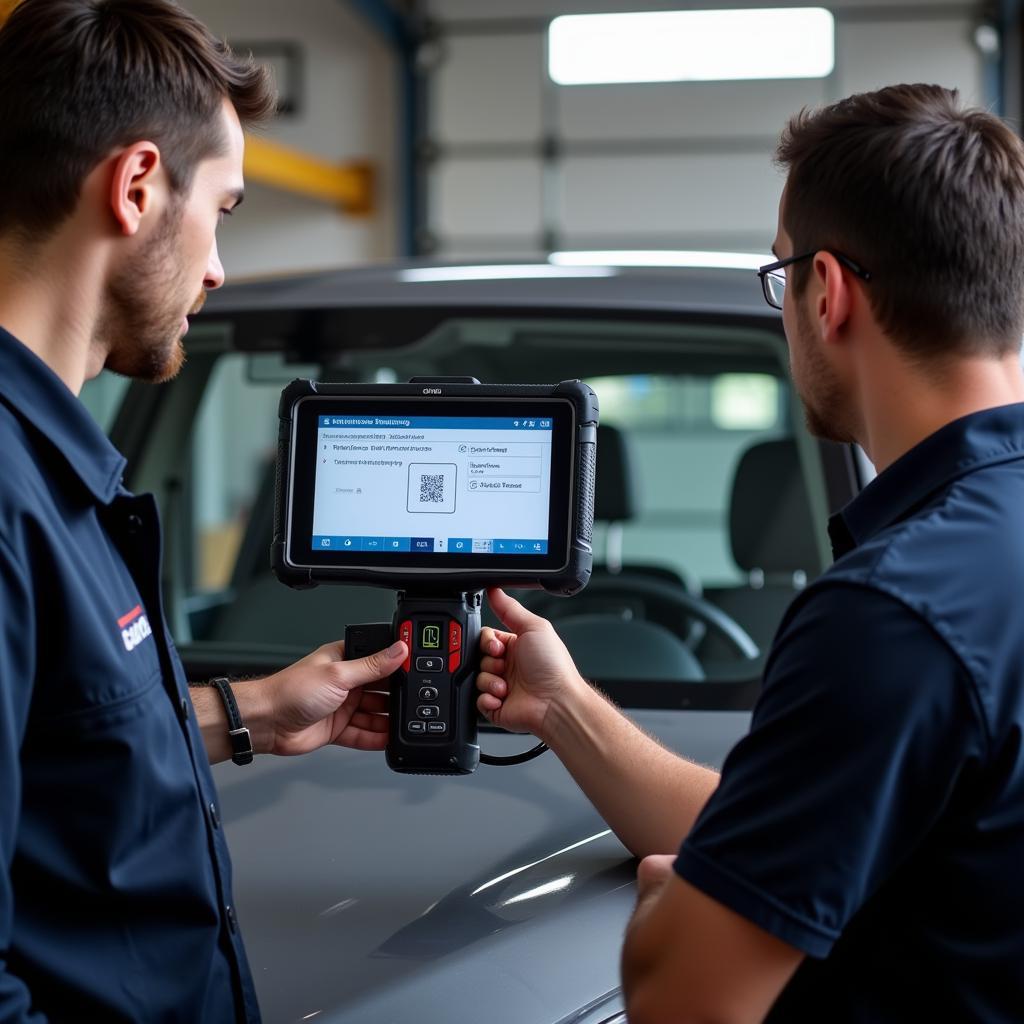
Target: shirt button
[[134, 523], [214, 819], [232, 923], [183, 709]]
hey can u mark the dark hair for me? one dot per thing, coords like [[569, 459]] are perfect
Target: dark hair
[[80, 78], [926, 195]]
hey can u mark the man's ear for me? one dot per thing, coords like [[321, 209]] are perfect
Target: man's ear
[[137, 178], [834, 300]]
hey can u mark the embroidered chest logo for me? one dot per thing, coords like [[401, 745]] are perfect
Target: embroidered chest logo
[[134, 628]]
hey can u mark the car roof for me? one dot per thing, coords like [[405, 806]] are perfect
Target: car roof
[[543, 285], [395, 304]]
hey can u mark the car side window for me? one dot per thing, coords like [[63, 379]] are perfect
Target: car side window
[[684, 436]]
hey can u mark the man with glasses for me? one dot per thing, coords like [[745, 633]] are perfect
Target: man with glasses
[[858, 858]]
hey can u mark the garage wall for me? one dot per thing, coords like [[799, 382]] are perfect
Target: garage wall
[[520, 166], [348, 103]]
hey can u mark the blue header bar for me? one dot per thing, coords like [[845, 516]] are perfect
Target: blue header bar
[[433, 423]]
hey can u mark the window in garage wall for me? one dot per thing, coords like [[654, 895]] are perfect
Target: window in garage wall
[[519, 165]]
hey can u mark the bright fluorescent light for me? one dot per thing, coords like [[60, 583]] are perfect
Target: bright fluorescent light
[[663, 258], [501, 273], [692, 46]]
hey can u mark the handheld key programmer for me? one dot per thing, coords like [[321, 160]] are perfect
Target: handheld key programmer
[[436, 489]]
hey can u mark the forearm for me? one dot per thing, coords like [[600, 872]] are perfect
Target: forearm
[[648, 795], [253, 706]]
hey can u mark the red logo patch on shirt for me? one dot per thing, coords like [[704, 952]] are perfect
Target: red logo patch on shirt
[[134, 628]]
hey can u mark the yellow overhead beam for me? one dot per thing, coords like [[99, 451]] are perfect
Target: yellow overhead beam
[[348, 185]]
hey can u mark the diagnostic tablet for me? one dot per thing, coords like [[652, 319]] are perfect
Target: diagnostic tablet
[[436, 485]]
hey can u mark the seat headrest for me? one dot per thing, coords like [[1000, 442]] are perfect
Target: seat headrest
[[770, 522], [614, 480]]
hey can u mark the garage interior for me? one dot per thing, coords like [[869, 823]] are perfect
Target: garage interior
[[462, 138]]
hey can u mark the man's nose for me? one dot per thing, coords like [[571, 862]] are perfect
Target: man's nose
[[214, 271]]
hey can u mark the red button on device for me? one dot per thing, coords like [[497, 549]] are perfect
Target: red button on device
[[454, 661], [405, 635], [454, 636]]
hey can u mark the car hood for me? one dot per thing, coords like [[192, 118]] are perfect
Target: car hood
[[371, 897]]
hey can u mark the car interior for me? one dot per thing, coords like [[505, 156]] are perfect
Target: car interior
[[704, 507]]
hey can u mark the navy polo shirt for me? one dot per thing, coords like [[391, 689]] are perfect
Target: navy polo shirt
[[874, 816], [115, 884]]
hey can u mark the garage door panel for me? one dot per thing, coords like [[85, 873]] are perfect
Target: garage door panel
[[474, 198], [708, 193], [682, 110], [869, 56], [488, 89]]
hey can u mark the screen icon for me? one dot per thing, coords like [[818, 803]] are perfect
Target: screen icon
[[430, 639]]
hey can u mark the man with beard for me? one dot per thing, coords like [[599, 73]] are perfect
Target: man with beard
[[120, 151], [858, 858]]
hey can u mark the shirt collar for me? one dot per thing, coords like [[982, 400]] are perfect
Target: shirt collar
[[969, 443], [42, 400]]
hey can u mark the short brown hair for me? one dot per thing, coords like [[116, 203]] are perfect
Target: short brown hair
[[926, 195], [80, 78]]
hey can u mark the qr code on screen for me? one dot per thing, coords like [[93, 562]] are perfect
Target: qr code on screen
[[432, 488]]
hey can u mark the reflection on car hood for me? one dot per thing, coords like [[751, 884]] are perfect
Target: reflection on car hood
[[366, 896]]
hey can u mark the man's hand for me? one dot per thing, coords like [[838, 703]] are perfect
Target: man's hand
[[319, 700], [523, 671]]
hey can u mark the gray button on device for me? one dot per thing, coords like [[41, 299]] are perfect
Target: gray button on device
[[428, 693], [436, 726], [430, 664], [417, 726], [428, 711]]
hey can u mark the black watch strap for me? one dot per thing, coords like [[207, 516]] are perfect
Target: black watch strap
[[238, 734]]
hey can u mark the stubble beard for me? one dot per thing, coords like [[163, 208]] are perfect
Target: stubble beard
[[824, 401], [140, 323]]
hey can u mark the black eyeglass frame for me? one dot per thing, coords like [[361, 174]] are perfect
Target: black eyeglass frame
[[769, 268]]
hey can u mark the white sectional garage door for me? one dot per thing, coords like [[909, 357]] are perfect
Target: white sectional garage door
[[516, 165]]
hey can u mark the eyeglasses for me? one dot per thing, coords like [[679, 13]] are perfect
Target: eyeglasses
[[773, 278]]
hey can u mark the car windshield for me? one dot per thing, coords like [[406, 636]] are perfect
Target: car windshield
[[710, 495]]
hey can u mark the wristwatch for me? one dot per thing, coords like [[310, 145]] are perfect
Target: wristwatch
[[238, 734]]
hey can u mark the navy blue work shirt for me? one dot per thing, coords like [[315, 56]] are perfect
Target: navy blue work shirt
[[874, 816], [115, 883]]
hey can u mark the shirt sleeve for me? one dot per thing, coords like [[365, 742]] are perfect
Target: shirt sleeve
[[17, 669], [864, 725]]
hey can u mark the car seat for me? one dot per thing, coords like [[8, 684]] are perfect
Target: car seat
[[772, 536]]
